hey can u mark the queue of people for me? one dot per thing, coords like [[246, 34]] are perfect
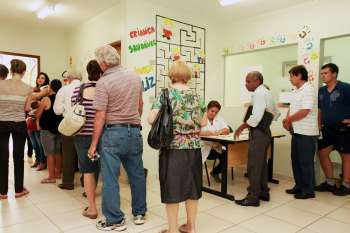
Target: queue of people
[[111, 136]]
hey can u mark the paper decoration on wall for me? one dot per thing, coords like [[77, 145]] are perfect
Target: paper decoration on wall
[[147, 74], [308, 52], [179, 40], [264, 42], [142, 32]]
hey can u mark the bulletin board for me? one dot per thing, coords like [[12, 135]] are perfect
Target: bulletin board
[[179, 39]]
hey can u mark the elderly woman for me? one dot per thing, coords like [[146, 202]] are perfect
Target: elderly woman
[[90, 169], [180, 165], [14, 101]]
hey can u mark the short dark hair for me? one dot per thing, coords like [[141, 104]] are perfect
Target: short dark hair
[[332, 67], [55, 85], [47, 80], [3, 71], [299, 69], [18, 66], [213, 104], [94, 70]]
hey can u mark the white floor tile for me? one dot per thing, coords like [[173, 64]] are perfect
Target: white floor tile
[[233, 213], [236, 229], [341, 214], [326, 225], [41, 226], [293, 215], [70, 220], [313, 206], [266, 224], [25, 214]]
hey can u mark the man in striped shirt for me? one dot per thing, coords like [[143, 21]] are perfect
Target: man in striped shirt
[[301, 121]]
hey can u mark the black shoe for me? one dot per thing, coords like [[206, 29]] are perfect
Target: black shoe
[[292, 191], [265, 197], [66, 187], [325, 187], [84, 194], [303, 195], [342, 191], [248, 202], [216, 177]]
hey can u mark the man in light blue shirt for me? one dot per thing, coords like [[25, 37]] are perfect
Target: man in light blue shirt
[[258, 119]]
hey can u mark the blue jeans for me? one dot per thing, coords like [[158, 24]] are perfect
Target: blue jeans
[[37, 146], [122, 145]]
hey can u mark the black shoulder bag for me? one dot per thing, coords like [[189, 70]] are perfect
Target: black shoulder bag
[[161, 134]]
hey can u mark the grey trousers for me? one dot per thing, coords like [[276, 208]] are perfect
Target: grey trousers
[[257, 163], [68, 160]]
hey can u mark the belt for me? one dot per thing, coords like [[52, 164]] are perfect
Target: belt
[[123, 125]]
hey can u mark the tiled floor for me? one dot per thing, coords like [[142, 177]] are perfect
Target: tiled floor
[[49, 210]]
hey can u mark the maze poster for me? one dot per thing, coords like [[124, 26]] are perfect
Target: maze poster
[[175, 40]]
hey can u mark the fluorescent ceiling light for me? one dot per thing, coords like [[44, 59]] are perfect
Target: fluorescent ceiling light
[[46, 11], [228, 2]]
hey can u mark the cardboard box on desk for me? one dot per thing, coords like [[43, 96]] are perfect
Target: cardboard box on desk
[[237, 154]]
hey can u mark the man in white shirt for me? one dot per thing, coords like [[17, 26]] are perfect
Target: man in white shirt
[[61, 106], [301, 121], [215, 126], [258, 121]]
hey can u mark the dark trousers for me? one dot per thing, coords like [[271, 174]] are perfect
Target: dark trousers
[[213, 155], [68, 160], [259, 142], [29, 146], [18, 130], [303, 152]]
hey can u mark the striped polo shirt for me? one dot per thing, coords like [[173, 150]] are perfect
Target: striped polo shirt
[[305, 98], [13, 95], [88, 128]]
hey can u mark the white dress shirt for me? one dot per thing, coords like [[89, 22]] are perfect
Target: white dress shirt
[[305, 98], [261, 101], [217, 124], [63, 102]]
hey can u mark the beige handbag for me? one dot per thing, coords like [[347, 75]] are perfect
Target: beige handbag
[[74, 119]]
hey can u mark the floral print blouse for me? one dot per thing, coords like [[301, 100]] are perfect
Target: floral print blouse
[[188, 111]]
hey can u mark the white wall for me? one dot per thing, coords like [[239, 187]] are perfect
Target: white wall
[[48, 43], [104, 28], [138, 17], [326, 19]]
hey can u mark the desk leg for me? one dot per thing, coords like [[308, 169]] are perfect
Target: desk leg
[[223, 192], [270, 164]]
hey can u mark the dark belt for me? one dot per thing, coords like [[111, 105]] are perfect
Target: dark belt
[[123, 125]]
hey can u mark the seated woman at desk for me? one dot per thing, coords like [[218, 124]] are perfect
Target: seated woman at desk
[[214, 126]]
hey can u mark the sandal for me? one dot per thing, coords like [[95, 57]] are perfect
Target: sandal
[[183, 228], [23, 193], [41, 167], [3, 196], [86, 214], [36, 164], [48, 181]]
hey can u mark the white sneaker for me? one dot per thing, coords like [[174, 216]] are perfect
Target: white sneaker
[[102, 225], [139, 219]]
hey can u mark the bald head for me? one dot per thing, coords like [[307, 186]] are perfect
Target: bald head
[[253, 80]]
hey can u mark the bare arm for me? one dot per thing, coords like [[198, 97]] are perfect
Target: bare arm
[[141, 106], [100, 120], [152, 116], [301, 114], [240, 129]]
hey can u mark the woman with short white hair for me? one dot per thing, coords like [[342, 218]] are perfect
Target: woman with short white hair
[[180, 165]]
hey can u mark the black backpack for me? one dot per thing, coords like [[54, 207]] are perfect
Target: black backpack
[[161, 134]]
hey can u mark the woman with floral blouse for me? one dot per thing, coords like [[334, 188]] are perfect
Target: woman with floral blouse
[[180, 165]]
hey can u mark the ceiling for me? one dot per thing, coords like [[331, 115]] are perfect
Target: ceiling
[[69, 13], [73, 12], [244, 8]]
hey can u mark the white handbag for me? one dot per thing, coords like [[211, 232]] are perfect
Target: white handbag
[[74, 119]]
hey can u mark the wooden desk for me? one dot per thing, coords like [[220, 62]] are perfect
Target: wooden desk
[[226, 141]]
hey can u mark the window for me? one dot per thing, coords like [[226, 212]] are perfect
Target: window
[[32, 62]]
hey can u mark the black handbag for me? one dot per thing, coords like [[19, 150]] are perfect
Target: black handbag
[[161, 134]]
